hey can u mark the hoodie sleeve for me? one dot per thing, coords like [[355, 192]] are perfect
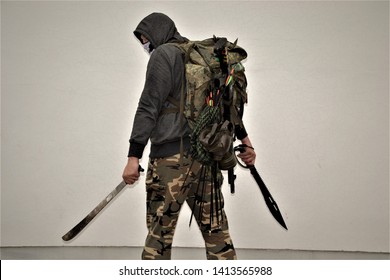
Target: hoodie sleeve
[[158, 85], [240, 132]]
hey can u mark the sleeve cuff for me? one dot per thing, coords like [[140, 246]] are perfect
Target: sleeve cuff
[[240, 132], [136, 150]]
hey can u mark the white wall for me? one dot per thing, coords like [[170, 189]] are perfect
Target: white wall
[[318, 117]]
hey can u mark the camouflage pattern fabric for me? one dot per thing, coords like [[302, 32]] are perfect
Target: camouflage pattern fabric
[[169, 184], [215, 88]]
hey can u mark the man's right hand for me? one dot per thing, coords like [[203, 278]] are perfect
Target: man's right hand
[[131, 171]]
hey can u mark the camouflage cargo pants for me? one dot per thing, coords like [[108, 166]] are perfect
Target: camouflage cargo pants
[[169, 184]]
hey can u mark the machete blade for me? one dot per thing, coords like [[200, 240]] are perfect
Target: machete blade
[[269, 200]]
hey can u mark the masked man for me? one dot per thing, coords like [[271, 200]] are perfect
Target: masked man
[[172, 177]]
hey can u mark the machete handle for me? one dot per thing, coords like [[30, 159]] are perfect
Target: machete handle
[[241, 148]]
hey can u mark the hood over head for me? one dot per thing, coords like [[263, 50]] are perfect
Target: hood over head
[[159, 29]]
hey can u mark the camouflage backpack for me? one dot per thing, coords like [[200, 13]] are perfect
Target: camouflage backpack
[[215, 92]]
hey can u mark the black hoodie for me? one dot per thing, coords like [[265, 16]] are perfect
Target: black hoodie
[[164, 77]]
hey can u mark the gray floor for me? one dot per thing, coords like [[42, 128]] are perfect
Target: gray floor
[[133, 253]]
